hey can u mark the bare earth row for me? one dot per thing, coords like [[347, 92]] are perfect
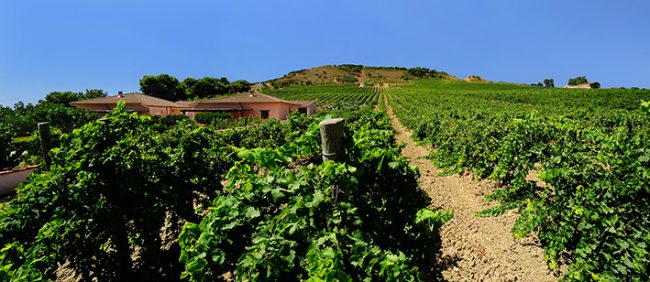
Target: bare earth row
[[473, 248]]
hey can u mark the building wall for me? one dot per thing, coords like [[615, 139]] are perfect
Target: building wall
[[311, 109], [191, 115], [176, 110], [101, 107], [238, 114], [580, 86], [160, 111], [276, 110]]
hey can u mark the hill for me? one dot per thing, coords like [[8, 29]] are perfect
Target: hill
[[356, 74]]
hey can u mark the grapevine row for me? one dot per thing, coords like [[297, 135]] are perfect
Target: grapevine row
[[591, 149], [136, 199]]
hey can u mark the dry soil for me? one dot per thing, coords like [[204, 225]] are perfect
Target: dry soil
[[473, 248]]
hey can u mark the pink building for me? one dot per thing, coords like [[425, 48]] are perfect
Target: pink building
[[251, 104], [134, 102]]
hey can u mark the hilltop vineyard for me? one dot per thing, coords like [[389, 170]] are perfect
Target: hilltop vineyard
[[330, 95], [590, 204]]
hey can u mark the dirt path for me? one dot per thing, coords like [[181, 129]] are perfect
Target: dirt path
[[473, 248]]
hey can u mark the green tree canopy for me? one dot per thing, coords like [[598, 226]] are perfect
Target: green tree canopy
[[209, 86], [94, 93], [63, 98], [578, 80], [168, 87], [425, 73], [162, 86], [192, 88], [240, 86], [185, 88], [549, 82]]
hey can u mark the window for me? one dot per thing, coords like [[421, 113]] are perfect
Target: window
[[265, 114], [302, 110]]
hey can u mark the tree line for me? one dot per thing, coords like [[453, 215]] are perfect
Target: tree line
[[550, 83], [170, 88], [21, 120], [422, 72]]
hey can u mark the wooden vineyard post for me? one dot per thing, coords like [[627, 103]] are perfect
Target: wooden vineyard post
[[46, 142], [331, 135], [332, 132]]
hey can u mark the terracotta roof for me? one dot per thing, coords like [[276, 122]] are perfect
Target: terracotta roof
[[185, 104], [129, 99], [248, 97], [222, 109]]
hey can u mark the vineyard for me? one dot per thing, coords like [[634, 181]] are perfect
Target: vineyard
[[133, 198], [589, 148], [330, 95], [136, 197]]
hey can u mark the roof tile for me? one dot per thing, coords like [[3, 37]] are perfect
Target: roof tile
[[129, 99]]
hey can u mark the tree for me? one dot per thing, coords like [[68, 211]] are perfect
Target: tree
[[210, 86], [549, 83], [94, 93], [192, 88], [239, 86], [162, 86], [63, 98], [578, 80], [595, 85], [184, 89], [418, 71], [425, 73]]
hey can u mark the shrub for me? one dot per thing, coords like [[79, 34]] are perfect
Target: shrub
[[283, 216], [354, 69], [111, 189], [211, 117], [347, 79]]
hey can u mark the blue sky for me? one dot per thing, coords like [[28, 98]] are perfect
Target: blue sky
[[76, 45]]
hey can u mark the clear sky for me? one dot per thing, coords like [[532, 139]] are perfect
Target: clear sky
[[76, 45]]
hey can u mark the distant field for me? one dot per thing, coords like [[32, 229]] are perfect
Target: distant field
[[598, 108]]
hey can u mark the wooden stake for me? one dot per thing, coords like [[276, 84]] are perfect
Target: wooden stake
[[331, 135], [46, 142]]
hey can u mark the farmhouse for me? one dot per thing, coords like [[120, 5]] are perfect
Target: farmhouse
[[587, 85], [250, 104], [579, 86], [134, 102]]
